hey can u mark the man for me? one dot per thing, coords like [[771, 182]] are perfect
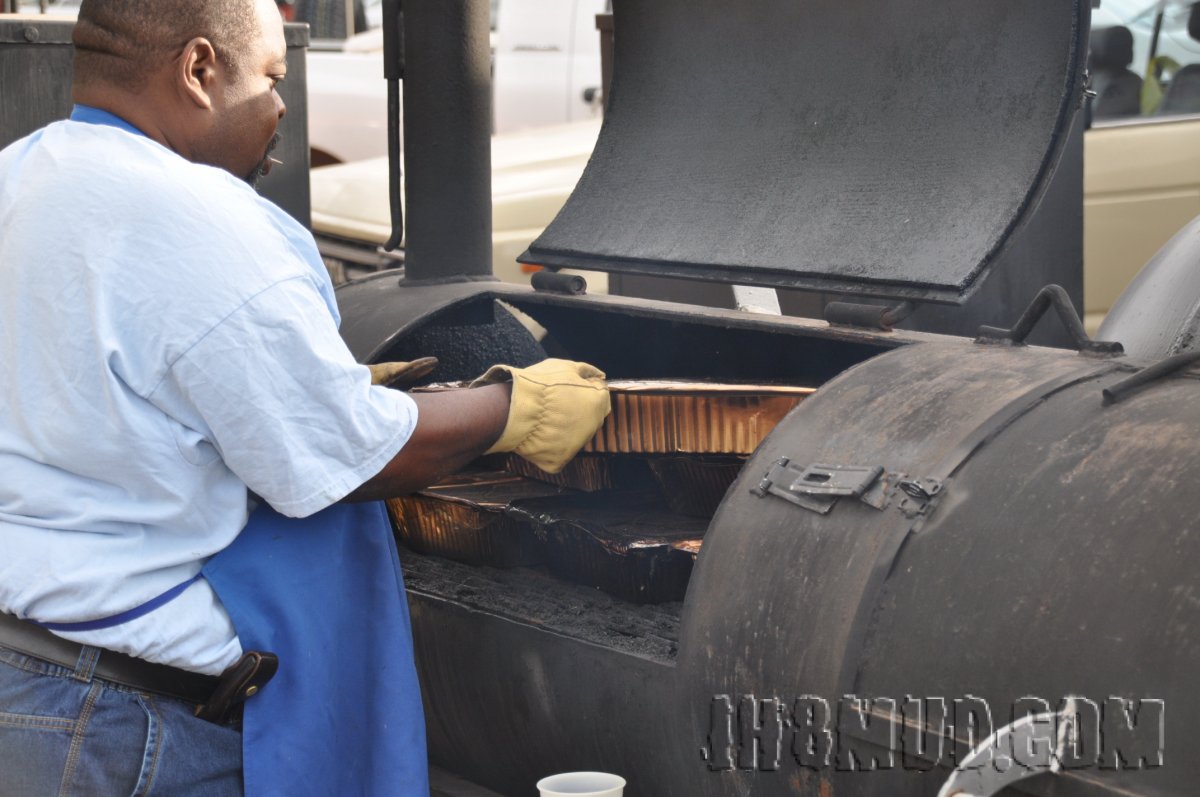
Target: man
[[175, 396]]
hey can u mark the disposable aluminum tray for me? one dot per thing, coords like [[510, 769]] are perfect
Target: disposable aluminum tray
[[587, 473], [626, 544], [695, 485], [672, 417], [687, 417], [464, 518]]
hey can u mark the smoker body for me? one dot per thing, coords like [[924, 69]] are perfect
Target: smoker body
[[1001, 526], [1054, 560]]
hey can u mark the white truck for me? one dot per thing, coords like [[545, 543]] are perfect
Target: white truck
[[545, 71], [546, 62], [546, 84]]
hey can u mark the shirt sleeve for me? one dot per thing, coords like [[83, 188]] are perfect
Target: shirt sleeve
[[278, 395]]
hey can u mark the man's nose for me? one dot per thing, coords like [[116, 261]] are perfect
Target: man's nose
[[280, 107]]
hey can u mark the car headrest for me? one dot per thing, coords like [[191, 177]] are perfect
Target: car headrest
[[1112, 48], [1194, 22]]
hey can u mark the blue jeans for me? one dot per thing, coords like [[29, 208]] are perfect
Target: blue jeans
[[64, 732]]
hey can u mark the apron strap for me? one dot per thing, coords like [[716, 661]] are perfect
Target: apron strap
[[125, 616]]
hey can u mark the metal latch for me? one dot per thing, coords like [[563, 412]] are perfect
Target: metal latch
[[920, 493], [818, 487]]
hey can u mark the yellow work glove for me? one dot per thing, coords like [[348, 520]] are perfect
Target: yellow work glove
[[556, 407], [401, 374]]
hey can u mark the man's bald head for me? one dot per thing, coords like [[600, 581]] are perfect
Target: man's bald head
[[123, 42], [197, 76]]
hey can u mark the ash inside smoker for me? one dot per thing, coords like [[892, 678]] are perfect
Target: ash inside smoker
[[534, 597]]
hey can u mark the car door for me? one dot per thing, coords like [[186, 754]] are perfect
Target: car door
[[531, 78]]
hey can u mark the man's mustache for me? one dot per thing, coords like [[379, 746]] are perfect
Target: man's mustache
[[264, 165]]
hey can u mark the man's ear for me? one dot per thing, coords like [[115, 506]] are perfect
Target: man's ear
[[197, 72]]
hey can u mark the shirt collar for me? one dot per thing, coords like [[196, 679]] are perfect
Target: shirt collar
[[96, 116]]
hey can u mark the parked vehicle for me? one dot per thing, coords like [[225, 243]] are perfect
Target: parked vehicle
[[69, 8], [546, 67], [533, 173], [1141, 179], [1141, 170], [347, 99], [546, 71]]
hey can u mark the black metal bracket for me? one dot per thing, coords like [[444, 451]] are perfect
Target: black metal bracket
[[818, 487], [1049, 296], [393, 73], [1121, 390], [871, 316]]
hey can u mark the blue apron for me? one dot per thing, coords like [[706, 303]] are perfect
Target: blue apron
[[343, 714]]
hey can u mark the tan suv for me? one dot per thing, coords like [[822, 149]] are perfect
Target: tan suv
[[1142, 154]]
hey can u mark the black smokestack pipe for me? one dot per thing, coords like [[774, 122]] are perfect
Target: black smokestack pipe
[[447, 139]]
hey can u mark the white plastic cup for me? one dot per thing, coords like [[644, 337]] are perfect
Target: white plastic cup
[[582, 784]]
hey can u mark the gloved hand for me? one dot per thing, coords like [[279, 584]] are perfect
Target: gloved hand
[[556, 407], [401, 374]]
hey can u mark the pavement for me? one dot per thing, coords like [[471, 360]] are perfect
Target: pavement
[[444, 784]]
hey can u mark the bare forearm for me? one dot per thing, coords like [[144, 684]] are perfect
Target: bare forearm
[[453, 428]]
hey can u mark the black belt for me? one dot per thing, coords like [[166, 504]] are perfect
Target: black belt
[[213, 695]]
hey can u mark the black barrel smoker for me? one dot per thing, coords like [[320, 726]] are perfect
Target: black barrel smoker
[[965, 527]]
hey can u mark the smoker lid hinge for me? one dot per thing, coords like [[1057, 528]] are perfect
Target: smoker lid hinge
[[818, 487], [551, 280], [871, 316]]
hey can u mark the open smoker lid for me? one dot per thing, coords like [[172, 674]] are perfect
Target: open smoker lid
[[878, 148]]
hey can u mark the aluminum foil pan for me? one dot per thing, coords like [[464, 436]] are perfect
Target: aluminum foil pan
[[464, 518], [626, 544], [695, 485], [666, 417], [587, 473], [686, 417]]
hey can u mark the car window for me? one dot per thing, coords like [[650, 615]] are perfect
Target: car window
[[1144, 59]]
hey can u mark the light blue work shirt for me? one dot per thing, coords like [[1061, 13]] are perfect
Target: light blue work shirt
[[168, 340]]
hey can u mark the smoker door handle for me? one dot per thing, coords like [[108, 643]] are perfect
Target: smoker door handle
[[1049, 296]]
